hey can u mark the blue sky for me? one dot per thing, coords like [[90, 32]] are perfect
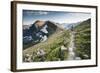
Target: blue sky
[[30, 16]]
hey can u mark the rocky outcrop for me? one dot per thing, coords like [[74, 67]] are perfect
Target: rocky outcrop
[[38, 32]]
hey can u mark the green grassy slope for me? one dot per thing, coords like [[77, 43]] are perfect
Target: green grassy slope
[[83, 39], [51, 47]]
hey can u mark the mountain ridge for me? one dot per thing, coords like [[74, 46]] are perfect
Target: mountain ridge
[[39, 30]]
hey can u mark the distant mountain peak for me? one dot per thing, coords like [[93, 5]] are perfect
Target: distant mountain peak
[[26, 27], [39, 23]]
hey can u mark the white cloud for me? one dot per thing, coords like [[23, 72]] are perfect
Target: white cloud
[[42, 13], [37, 12]]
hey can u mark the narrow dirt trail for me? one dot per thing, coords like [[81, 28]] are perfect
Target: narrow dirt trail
[[71, 49]]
